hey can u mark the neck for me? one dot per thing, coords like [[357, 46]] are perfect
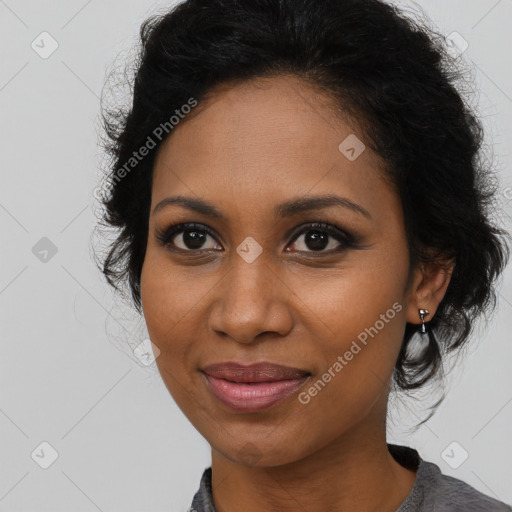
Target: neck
[[354, 472]]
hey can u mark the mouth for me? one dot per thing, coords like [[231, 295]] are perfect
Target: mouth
[[255, 387]]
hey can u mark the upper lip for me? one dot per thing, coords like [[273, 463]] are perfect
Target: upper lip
[[257, 372]]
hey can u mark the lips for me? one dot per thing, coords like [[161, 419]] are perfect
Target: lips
[[258, 372], [255, 387]]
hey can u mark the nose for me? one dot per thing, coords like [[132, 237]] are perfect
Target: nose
[[251, 301]]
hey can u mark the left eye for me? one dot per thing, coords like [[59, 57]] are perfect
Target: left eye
[[315, 238]]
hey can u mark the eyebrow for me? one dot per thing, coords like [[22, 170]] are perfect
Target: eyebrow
[[286, 209]]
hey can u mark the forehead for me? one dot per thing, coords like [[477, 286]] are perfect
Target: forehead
[[262, 139]]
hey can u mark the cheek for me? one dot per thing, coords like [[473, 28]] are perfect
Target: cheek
[[357, 318], [358, 363], [170, 297], [167, 302], [345, 302], [175, 302]]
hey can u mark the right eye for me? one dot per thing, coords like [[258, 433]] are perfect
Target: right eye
[[186, 237]]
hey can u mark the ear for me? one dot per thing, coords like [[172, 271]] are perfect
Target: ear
[[428, 287]]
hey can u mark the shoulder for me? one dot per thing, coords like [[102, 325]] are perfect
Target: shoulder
[[434, 491], [452, 494]]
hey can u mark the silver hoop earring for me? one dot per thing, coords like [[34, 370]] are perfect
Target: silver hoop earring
[[423, 313]]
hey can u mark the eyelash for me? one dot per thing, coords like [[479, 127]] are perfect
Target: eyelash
[[347, 240]]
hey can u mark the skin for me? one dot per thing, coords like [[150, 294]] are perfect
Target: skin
[[246, 149]]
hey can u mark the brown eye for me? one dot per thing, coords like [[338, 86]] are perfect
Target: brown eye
[[319, 237], [191, 240], [187, 237], [314, 241]]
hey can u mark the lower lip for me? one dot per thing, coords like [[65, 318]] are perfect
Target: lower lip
[[252, 397]]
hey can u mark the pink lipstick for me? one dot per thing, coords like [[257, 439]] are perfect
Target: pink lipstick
[[254, 387]]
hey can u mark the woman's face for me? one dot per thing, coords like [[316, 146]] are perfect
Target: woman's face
[[265, 286]]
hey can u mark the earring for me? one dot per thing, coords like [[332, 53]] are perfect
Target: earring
[[423, 313]]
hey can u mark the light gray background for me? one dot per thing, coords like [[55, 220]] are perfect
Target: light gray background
[[66, 373]]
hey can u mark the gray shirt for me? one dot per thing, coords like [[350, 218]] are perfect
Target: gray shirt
[[432, 491]]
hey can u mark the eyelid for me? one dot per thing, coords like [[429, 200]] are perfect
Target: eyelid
[[347, 239], [332, 230], [165, 235]]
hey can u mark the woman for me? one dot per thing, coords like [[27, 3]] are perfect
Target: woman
[[300, 203]]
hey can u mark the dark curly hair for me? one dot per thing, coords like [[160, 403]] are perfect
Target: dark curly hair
[[389, 72]]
